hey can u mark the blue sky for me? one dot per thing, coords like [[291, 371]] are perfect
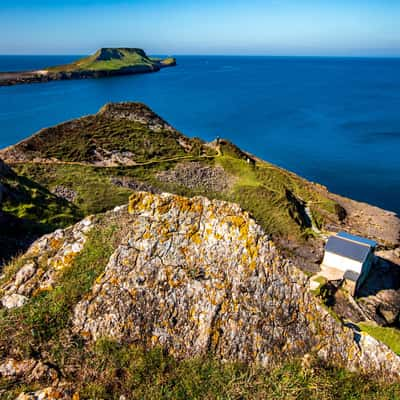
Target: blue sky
[[270, 27]]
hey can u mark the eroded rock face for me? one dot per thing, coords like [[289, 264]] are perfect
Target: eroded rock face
[[196, 175], [195, 275]]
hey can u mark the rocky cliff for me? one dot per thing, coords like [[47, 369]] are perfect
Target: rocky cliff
[[193, 276]]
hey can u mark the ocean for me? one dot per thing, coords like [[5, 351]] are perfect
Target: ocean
[[335, 121]]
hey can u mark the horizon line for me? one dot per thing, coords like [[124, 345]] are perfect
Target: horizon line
[[210, 55]]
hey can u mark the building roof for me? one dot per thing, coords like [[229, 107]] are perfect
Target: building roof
[[347, 248], [358, 239]]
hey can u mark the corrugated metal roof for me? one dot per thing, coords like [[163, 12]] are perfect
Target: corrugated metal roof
[[357, 239], [347, 248]]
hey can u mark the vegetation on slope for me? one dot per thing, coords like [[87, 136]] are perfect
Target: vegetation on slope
[[110, 370], [28, 210], [40, 325], [387, 335], [275, 197], [112, 59]]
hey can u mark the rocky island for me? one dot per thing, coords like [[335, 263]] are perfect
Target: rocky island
[[140, 258], [105, 62]]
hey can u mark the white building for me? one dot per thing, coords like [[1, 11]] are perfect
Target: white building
[[348, 257]]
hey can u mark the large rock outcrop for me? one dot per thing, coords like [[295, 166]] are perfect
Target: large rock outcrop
[[197, 276]]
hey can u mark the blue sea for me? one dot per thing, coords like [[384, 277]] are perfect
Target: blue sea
[[332, 120]]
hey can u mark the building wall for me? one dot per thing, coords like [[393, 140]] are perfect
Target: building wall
[[344, 264], [365, 270]]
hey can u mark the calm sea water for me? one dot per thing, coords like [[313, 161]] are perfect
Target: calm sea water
[[332, 120]]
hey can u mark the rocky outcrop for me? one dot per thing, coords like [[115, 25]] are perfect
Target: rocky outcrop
[[65, 193], [43, 262], [198, 276], [196, 175], [136, 112], [49, 393], [30, 370]]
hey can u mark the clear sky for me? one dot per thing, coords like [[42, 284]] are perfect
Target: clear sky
[[270, 27]]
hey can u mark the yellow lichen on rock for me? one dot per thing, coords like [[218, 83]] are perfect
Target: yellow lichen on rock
[[196, 275]]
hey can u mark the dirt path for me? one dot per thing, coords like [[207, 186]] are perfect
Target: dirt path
[[134, 164]]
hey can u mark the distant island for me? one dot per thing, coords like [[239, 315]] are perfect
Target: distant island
[[105, 62]]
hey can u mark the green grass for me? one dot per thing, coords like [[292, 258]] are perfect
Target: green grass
[[29, 200], [111, 370], [113, 60], [32, 210], [262, 190], [387, 335], [25, 330], [94, 191], [76, 141], [275, 197]]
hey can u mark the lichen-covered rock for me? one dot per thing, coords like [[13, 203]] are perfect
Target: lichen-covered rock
[[30, 370], [49, 393], [44, 260], [198, 276], [65, 193], [13, 300]]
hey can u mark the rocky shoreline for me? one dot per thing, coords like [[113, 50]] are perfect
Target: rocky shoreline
[[26, 77]]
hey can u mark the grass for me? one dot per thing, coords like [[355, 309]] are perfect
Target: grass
[[107, 370], [30, 210], [275, 197], [25, 330], [108, 60], [94, 191], [29, 200], [387, 335], [111, 370], [77, 141]]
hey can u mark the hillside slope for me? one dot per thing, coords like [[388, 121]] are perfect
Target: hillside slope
[[102, 158], [28, 210], [191, 276]]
